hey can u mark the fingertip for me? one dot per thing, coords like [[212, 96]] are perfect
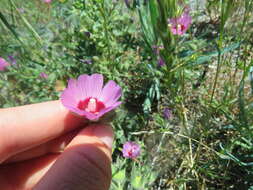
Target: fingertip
[[104, 132], [100, 134], [86, 161], [40, 122]]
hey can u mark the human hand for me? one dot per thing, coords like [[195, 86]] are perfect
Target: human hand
[[44, 147]]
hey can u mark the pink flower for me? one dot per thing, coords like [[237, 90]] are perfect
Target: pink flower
[[47, 1], [87, 97], [179, 25], [131, 150], [43, 75], [3, 64]]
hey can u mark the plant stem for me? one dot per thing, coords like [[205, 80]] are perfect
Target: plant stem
[[179, 135], [105, 23], [216, 74]]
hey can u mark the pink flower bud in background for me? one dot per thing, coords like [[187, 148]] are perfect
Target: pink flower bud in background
[[167, 113], [12, 60], [47, 1], [87, 97], [43, 75], [3, 64], [160, 62], [131, 150]]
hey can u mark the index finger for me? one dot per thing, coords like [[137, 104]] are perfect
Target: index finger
[[24, 127]]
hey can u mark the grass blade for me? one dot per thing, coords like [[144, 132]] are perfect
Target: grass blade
[[28, 25], [12, 30]]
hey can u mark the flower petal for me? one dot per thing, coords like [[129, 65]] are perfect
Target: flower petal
[[75, 110], [68, 98], [90, 116], [90, 86], [96, 82], [72, 83], [73, 89], [173, 21], [86, 114], [110, 93], [186, 19], [83, 86], [3, 64], [105, 110]]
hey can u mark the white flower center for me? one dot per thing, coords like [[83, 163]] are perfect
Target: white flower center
[[92, 105]]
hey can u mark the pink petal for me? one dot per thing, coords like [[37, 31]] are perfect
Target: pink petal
[[173, 21], [88, 115], [74, 90], [96, 81], [90, 86], [105, 110], [83, 86], [75, 110], [72, 87], [72, 84], [68, 98], [186, 20], [110, 93], [3, 64], [174, 30]]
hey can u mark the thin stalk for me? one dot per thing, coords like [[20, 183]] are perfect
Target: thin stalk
[[105, 23], [12, 14], [28, 25], [179, 135], [216, 74], [128, 167], [224, 15], [157, 151], [185, 124]]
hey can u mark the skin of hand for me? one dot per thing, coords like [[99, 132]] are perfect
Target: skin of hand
[[45, 147]]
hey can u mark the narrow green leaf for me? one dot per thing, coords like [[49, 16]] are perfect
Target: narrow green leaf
[[27, 24], [251, 78], [6, 23], [242, 113]]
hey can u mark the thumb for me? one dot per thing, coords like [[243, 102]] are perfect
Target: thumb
[[84, 164]]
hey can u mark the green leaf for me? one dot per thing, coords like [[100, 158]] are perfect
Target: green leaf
[[207, 57], [137, 182], [146, 25], [6, 23], [251, 78], [153, 13], [120, 175], [27, 24]]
